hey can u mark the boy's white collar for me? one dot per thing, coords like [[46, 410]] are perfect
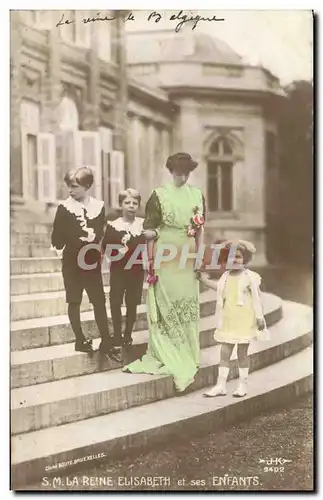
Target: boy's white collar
[[93, 207], [135, 228]]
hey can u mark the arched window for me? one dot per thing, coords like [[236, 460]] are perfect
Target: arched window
[[68, 114], [220, 163]]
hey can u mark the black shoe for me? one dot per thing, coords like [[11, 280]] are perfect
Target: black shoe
[[117, 341], [110, 351], [83, 346]]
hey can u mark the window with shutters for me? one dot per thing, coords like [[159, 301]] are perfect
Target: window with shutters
[[29, 125], [46, 167], [116, 177], [68, 116], [88, 154], [220, 163], [106, 138], [88, 151], [65, 159], [31, 140], [29, 116]]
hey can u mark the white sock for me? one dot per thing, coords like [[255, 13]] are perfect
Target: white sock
[[223, 374], [243, 373]]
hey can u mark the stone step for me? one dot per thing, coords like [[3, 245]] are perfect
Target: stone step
[[25, 238], [57, 450], [25, 251], [46, 364], [42, 305], [30, 245], [40, 264], [41, 332], [69, 400], [35, 265], [22, 284], [29, 226], [32, 304]]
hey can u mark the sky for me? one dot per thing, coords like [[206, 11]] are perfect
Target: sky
[[279, 40]]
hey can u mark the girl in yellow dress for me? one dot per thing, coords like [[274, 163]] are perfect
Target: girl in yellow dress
[[238, 317]]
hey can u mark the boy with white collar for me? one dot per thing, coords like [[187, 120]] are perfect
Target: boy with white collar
[[79, 221], [126, 281]]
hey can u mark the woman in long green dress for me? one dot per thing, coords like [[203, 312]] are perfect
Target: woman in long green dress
[[173, 301]]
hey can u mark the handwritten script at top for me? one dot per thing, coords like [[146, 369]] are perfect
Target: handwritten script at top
[[180, 17]]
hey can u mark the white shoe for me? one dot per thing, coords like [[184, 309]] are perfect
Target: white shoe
[[217, 390], [241, 390]]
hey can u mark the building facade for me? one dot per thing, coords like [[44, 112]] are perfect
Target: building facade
[[71, 105], [90, 94], [225, 119]]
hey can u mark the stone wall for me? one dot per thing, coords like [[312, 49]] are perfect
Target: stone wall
[[15, 99]]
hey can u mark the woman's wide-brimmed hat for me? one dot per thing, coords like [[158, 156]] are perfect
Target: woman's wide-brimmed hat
[[180, 162]]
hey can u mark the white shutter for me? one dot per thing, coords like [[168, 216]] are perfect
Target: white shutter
[[106, 135], [117, 183], [88, 154], [29, 117], [46, 167]]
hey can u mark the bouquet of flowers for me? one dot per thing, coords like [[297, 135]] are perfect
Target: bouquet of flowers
[[196, 222], [152, 278]]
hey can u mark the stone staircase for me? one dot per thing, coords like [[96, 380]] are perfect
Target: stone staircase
[[66, 405]]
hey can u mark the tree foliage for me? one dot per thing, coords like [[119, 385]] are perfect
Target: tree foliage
[[294, 224]]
